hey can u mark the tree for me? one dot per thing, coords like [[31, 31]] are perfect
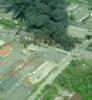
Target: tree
[[43, 17]]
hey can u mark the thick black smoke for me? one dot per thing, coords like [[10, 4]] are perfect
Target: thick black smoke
[[46, 18]]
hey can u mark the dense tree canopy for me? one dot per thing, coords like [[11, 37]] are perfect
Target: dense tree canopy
[[43, 17]]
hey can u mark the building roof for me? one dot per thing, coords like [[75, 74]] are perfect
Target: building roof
[[41, 72], [7, 35], [81, 13], [1, 42], [7, 84], [76, 31], [19, 93], [72, 7]]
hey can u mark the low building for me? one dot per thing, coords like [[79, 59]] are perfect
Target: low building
[[88, 24], [19, 93], [80, 14], [76, 31], [41, 72], [72, 7], [7, 36]]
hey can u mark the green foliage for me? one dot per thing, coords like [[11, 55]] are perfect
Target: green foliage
[[90, 2], [77, 78], [89, 46], [43, 17], [78, 40], [48, 93]]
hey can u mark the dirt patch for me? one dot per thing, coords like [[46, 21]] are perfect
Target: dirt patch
[[76, 97], [4, 51]]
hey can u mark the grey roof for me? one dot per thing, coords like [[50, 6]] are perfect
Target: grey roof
[[19, 93], [8, 84]]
